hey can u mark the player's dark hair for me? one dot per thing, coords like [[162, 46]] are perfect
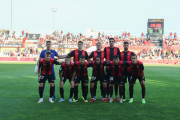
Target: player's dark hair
[[48, 42], [67, 57], [97, 57], [126, 43], [48, 53], [116, 56], [82, 56], [111, 39], [80, 42]]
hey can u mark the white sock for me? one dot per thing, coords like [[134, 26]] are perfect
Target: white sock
[[143, 99], [50, 98], [132, 98], [115, 96], [41, 98]]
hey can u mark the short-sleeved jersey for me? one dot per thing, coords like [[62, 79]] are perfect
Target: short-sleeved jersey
[[116, 70], [47, 67], [111, 53], [95, 53], [98, 70], [126, 56], [77, 53], [81, 70], [67, 71], [53, 53], [136, 68]]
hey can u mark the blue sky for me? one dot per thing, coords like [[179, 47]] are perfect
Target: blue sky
[[78, 15]]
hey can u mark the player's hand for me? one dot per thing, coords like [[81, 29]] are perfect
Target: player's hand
[[38, 78], [72, 83]]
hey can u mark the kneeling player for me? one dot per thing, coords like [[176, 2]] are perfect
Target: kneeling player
[[98, 74], [65, 73], [116, 75], [80, 73], [46, 73], [137, 73]]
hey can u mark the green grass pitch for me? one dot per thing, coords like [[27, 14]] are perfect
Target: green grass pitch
[[19, 96]]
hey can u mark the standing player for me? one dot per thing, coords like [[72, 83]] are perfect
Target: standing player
[[46, 65], [76, 54], [98, 74], [53, 53], [80, 73], [126, 56], [65, 73], [137, 73], [109, 52], [116, 77], [93, 55]]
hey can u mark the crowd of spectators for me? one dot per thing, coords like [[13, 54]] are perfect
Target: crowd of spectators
[[70, 40]]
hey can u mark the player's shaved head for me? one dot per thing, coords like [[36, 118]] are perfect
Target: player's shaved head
[[80, 45], [111, 42]]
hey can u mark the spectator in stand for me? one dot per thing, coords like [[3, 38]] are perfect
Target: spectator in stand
[[22, 32], [27, 32], [142, 34], [125, 34], [128, 34], [175, 35]]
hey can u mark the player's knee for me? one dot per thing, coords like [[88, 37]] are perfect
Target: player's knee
[[142, 82], [111, 85], [92, 85], [85, 84], [104, 85], [52, 84], [61, 85], [76, 84], [41, 84]]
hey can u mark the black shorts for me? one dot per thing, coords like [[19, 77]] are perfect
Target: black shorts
[[126, 75], [65, 78], [116, 80], [83, 79], [108, 74], [94, 79], [43, 78], [133, 79]]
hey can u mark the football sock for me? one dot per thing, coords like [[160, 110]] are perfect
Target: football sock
[[116, 89], [104, 92], [85, 92], [92, 92], [71, 92], [124, 92], [131, 90], [43, 88], [41, 92], [121, 91], [95, 88], [111, 91], [62, 92], [54, 91], [75, 92], [82, 87], [107, 89], [51, 91], [143, 91]]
